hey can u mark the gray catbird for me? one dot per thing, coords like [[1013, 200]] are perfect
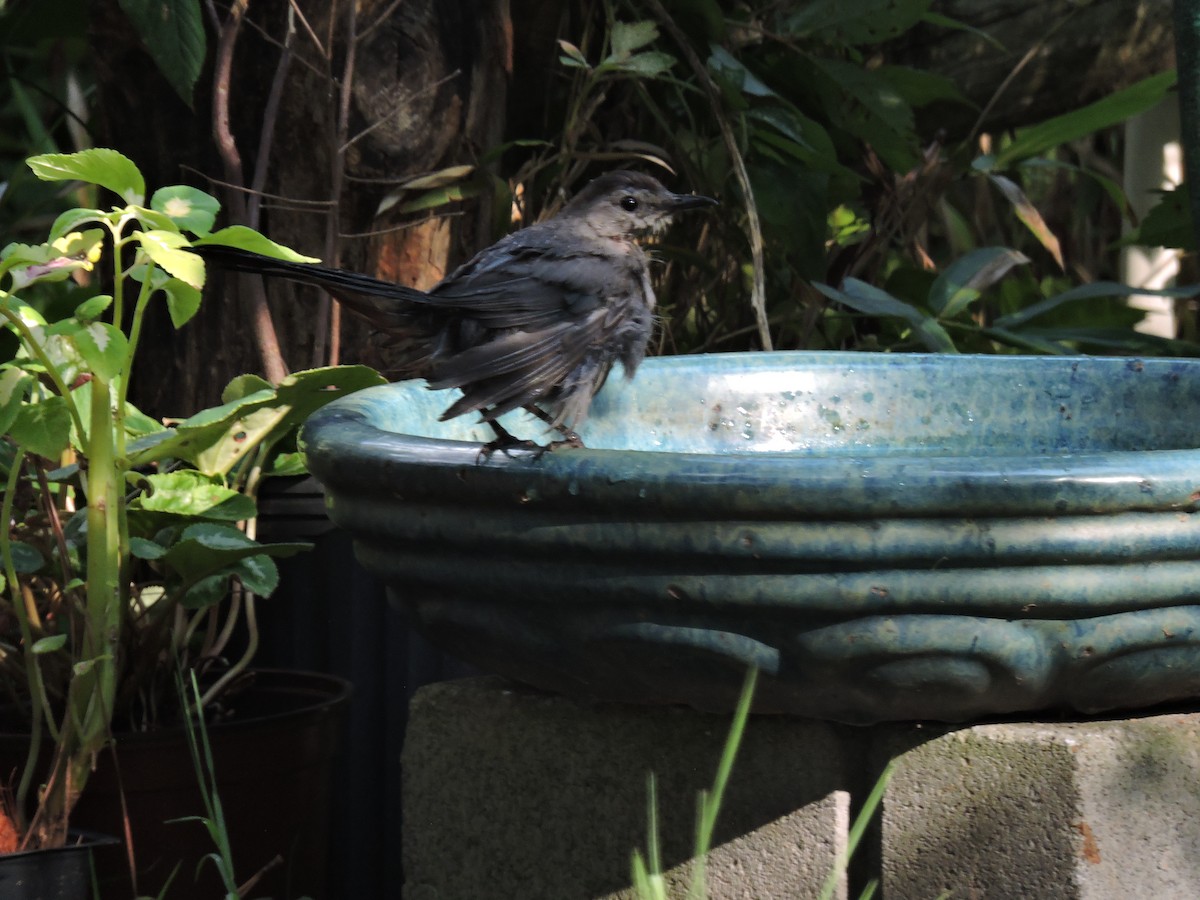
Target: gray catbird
[[535, 321]]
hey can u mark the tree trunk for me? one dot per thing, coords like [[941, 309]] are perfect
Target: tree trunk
[[427, 90]]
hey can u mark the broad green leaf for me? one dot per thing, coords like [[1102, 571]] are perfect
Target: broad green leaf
[[206, 556], [43, 428], [14, 385], [173, 33], [104, 348], [248, 239], [451, 193], [1029, 216], [853, 22], [53, 261], [258, 574], [728, 69], [71, 220], [183, 301], [144, 548], [49, 644], [164, 247], [153, 220], [189, 493], [216, 439], [1091, 291], [297, 397], [93, 307], [646, 65], [187, 207], [286, 465], [243, 386], [1071, 126], [440, 178], [865, 298], [968, 276], [1168, 224], [26, 558], [101, 166], [868, 106], [630, 36]]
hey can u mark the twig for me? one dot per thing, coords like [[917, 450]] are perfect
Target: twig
[[758, 296], [265, 336], [270, 120]]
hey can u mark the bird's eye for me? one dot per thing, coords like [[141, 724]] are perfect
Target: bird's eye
[[629, 203]]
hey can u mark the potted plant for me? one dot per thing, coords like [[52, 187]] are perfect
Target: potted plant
[[122, 537]]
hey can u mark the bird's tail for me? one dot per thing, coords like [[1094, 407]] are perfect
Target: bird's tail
[[381, 302]]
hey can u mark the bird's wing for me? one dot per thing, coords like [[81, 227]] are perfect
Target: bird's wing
[[519, 368], [531, 281]]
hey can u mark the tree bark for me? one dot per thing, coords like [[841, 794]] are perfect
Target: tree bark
[[428, 90]]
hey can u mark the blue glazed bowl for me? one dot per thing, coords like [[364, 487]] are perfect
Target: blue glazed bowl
[[886, 536]]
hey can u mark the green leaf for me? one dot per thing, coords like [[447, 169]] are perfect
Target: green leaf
[[14, 385], [183, 301], [216, 439], [206, 556], [1168, 224], [1029, 216], [103, 347], [860, 296], [1105, 113], [93, 307], [173, 33], [187, 207], [572, 56], [26, 558], [438, 197], [259, 574], [728, 69], [629, 36], [101, 166], [248, 239], [645, 65], [968, 276], [868, 106], [43, 428], [53, 261], [143, 548], [854, 22], [49, 644], [164, 247], [72, 219], [267, 420], [188, 493], [1093, 291], [287, 465]]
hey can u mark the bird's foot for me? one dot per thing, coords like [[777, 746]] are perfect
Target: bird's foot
[[570, 441], [506, 445]]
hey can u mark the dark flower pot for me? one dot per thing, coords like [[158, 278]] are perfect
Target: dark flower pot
[[64, 873], [273, 762]]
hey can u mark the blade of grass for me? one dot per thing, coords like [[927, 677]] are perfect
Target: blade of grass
[[857, 830]]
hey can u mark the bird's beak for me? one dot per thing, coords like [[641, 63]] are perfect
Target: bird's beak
[[680, 202]]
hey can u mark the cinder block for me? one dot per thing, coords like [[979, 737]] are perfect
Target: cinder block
[[1105, 810], [510, 793]]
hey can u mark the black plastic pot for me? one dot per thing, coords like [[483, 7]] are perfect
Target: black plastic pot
[[64, 873], [273, 764]]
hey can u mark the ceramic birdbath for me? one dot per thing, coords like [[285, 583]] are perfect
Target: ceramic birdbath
[[885, 536]]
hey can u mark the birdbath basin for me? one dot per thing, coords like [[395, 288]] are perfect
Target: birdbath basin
[[884, 536]]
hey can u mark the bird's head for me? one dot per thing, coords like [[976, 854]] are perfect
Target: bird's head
[[629, 204]]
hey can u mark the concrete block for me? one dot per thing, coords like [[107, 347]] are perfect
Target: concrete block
[[509, 793], [1104, 810]]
